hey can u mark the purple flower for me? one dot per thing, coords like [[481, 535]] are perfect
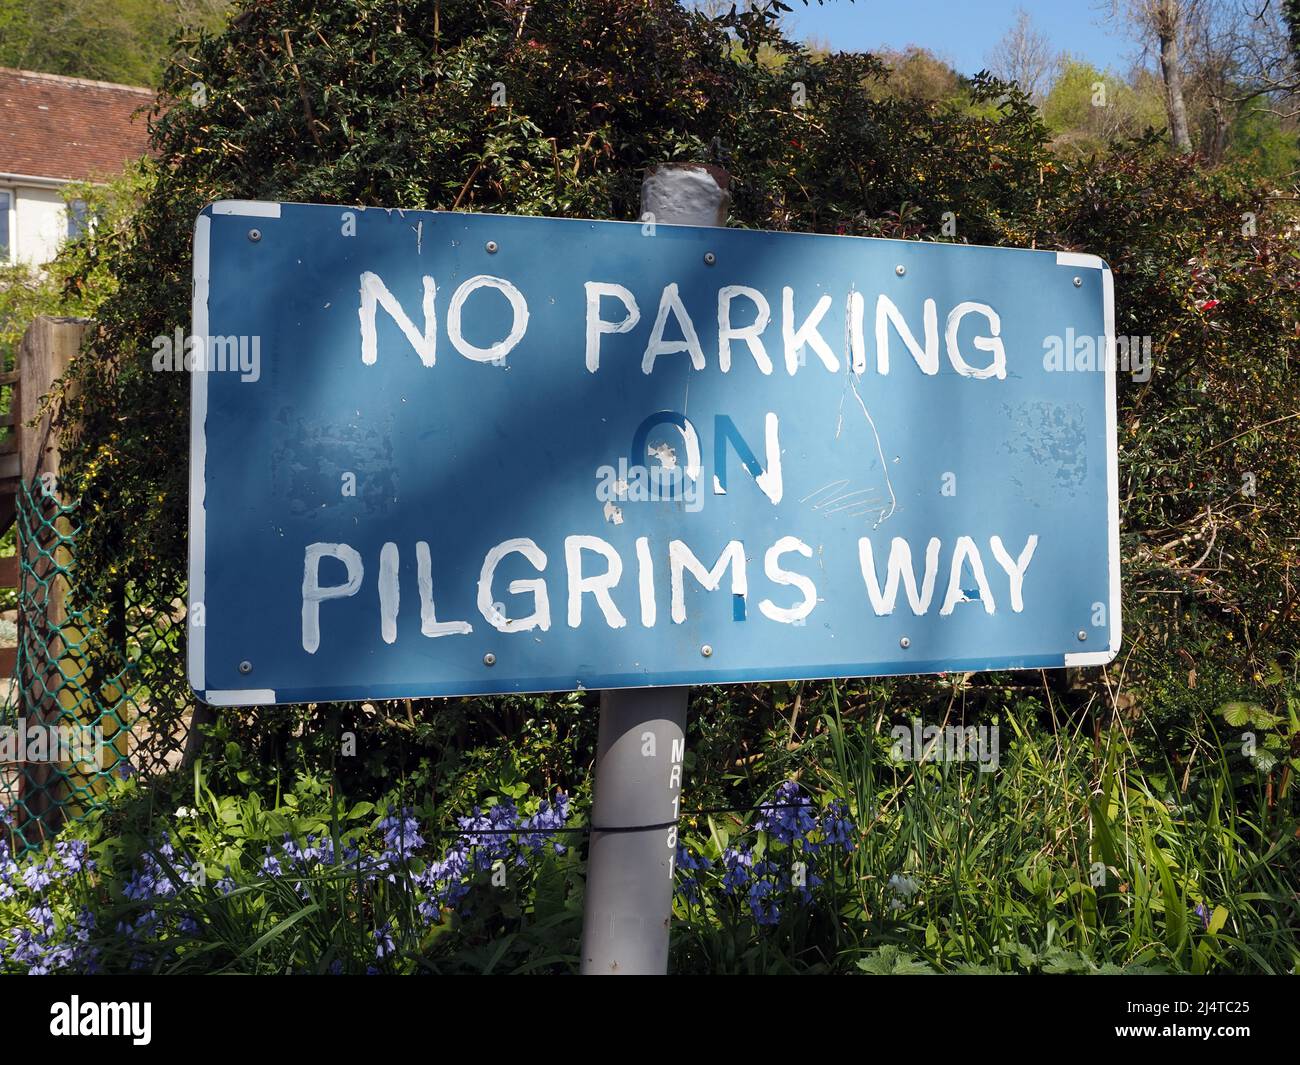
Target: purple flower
[[789, 816], [271, 864], [75, 856], [837, 827], [487, 835], [38, 876], [299, 855], [42, 916], [401, 834], [445, 882], [384, 945], [549, 819], [761, 903], [688, 884], [736, 864], [8, 872]]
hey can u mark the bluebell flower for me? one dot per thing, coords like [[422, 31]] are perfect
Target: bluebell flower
[[788, 817], [761, 901], [837, 827], [75, 856], [297, 854], [903, 888], [9, 872], [401, 834], [486, 834], [445, 882], [688, 865], [42, 915], [153, 880], [37, 876], [537, 831], [384, 944], [271, 864], [737, 864], [85, 925]]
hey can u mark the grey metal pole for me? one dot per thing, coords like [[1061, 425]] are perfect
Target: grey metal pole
[[641, 742], [629, 896]]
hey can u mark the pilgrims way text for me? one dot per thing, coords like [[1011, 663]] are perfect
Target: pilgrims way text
[[931, 574]]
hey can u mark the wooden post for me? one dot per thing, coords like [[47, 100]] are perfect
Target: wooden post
[[47, 350]]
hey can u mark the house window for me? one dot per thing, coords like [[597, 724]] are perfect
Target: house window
[[78, 219], [5, 200]]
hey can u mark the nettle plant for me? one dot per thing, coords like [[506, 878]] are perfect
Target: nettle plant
[[1269, 740]]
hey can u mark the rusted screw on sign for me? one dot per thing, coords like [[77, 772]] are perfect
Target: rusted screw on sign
[[491, 246]]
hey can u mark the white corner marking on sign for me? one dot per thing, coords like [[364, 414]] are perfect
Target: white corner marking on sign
[[240, 697], [247, 208], [1082, 260]]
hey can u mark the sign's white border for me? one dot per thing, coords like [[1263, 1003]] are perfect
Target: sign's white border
[[196, 634]]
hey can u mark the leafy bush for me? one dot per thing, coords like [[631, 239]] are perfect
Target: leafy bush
[[382, 104]]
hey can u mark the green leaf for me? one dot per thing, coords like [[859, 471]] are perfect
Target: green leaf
[[890, 961]]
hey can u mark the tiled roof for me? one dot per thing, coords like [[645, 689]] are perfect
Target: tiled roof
[[57, 127]]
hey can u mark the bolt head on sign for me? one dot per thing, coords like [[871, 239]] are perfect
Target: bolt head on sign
[[440, 454]]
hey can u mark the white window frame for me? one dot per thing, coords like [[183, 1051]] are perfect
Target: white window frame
[[9, 255]]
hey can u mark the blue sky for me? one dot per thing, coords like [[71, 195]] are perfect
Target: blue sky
[[962, 31]]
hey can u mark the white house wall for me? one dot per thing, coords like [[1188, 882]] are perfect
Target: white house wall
[[38, 224]]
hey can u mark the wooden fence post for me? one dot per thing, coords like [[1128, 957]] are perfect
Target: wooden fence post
[[47, 350]]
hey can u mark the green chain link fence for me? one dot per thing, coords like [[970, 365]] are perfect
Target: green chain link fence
[[101, 680]]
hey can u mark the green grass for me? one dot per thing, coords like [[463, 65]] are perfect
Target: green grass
[[1071, 856]]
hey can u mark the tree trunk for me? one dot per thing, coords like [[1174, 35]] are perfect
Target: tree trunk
[[1167, 27], [1219, 135]]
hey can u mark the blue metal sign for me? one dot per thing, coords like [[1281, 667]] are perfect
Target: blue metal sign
[[441, 454]]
